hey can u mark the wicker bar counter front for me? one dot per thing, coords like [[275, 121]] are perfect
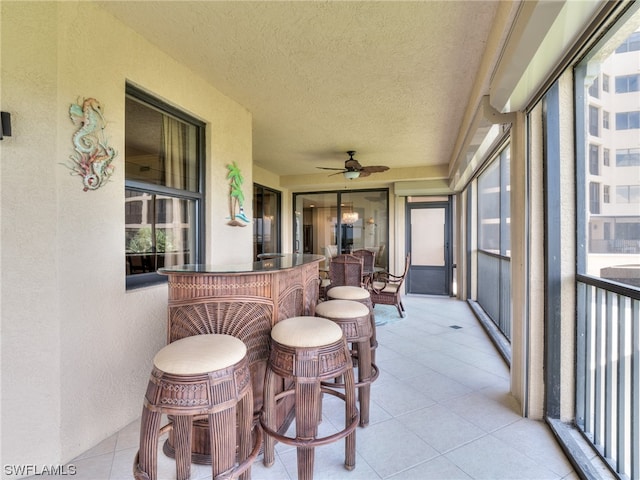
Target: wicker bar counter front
[[244, 301]]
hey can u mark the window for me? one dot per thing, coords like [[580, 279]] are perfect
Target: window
[[605, 120], [594, 198], [627, 120], [628, 194], [628, 157], [594, 89], [627, 83], [631, 44], [493, 206], [489, 209], [594, 120], [607, 256], [614, 196], [593, 160], [163, 187], [629, 230], [605, 82], [266, 222], [494, 241]]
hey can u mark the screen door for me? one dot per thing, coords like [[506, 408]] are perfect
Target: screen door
[[428, 236]]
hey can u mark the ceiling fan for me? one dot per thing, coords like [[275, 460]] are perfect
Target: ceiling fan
[[352, 168]]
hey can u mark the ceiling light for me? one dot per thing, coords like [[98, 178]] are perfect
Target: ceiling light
[[350, 217], [351, 174]]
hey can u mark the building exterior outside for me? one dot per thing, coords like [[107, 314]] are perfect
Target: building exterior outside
[[613, 174]]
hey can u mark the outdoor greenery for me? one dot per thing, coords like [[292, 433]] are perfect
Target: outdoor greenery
[[142, 242]]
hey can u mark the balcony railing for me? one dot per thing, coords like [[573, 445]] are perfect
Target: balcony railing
[[607, 371], [614, 246]]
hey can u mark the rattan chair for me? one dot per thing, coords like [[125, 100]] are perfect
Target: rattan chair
[[368, 260], [386, 288], [346, 270]]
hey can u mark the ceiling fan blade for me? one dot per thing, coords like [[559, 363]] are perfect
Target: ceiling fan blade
[[329, 168], [374, 169], [337, 173], [364, 173]]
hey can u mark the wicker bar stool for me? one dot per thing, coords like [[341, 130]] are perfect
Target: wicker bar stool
[[353, 318], [363, 296], [202, 375], [308, 350]]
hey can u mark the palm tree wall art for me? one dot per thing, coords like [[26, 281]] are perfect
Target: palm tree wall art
[[237, 218]]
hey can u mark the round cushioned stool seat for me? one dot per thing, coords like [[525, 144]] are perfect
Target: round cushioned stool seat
[[200, 354], [200, 377], [306, 332], [341, 309], [345, 292]]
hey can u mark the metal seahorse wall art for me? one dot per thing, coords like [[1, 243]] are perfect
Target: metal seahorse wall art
[[92, 157]]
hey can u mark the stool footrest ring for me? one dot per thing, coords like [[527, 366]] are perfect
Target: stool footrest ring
[[375, 373], [236, 471], [315, 442]]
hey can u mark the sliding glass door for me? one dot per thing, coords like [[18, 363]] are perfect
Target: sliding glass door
[[330, 223], [266, 222]]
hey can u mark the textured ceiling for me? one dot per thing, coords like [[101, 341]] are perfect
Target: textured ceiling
[[390, 80]]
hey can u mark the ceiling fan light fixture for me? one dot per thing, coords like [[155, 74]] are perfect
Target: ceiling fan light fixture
[[351, 174]]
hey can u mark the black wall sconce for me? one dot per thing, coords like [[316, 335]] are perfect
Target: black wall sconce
[[5, 124]]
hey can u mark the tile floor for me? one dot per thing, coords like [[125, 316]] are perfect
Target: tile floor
[[441, 409]]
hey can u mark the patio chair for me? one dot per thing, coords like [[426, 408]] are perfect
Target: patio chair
[[346, 283], [346, 270], [368, 263], [368, 258], [386, 289]]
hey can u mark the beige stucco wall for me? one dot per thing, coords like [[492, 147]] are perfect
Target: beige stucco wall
[[76, 346]]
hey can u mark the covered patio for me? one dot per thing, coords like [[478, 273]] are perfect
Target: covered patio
[[440, 409]]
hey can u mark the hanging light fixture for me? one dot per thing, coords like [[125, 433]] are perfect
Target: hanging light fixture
[[350, 217], [351, 174]]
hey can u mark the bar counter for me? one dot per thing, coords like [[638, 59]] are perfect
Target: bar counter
[[245, 301]]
